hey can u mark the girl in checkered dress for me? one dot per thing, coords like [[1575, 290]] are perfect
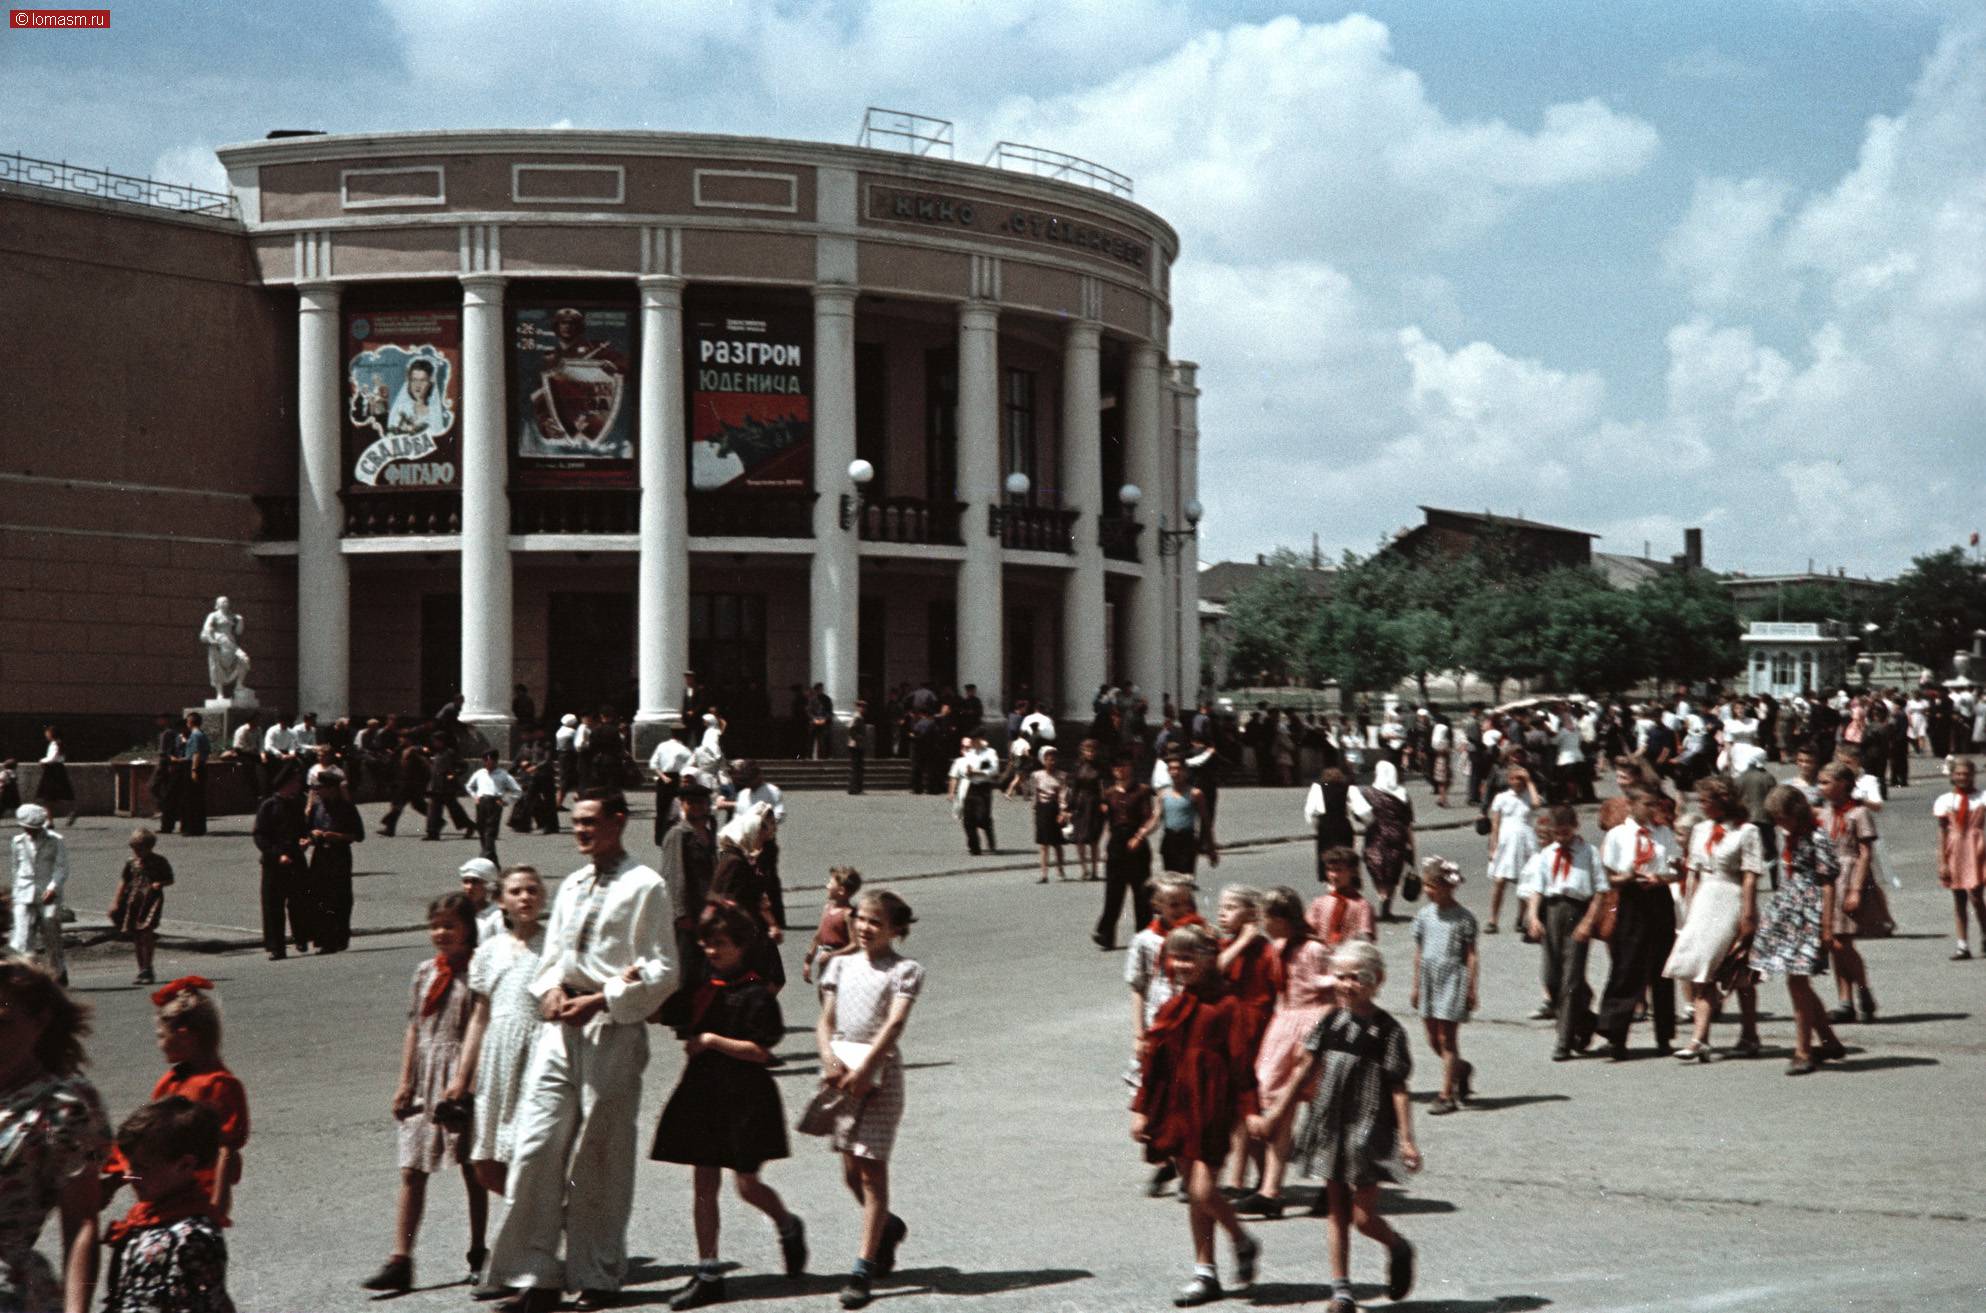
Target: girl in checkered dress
[[1360, 1131], [865, 1002]]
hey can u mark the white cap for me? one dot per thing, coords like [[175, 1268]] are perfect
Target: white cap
[[33, 816], [480, 868]]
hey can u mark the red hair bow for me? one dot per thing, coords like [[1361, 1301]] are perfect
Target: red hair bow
[[166, 993]]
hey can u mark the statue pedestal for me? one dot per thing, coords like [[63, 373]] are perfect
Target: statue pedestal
[[220, 717]]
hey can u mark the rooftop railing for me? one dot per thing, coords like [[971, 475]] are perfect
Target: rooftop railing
[[900, 130], [78, 180], [1017, 157]]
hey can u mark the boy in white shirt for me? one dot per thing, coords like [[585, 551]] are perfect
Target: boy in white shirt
[[493, 788], [1557, 888]]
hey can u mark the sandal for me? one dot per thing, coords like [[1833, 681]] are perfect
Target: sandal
[[1693, 1053]]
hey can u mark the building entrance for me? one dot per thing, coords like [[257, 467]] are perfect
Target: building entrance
[[441, 650], [590, 654]]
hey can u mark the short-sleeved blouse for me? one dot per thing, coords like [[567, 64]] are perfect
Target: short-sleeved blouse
[[52, 1131], [1046, 788], [1129, 807], [865, 989]]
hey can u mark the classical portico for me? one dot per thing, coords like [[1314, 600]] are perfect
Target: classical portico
[[992, 363]]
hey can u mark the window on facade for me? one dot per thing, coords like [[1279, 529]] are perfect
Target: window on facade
[[941, 400], [1018, 428], [1782, 668], [872, 412]]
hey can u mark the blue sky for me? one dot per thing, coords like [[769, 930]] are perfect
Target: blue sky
[[1627, 266]]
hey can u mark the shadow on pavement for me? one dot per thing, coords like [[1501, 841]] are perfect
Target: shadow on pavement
[[951, 1281], [1512, 1101], [1915, 1018], [1501, 1304], [1882, 1064]]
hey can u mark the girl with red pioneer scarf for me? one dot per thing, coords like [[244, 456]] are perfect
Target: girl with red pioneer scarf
[[726, 1112], [1341, 912], [1961, 816], [1859, 905], [1726, 863], [434, 1130], [1642, 861]]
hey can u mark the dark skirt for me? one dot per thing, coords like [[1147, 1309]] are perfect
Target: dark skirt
[[54, 786], [724, 1113], [1086, 814], [1048, 826], [1179, 851]]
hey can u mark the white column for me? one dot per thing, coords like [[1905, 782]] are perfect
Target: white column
[[486, 622], [662, 574], [1149, 649], [981, 607], [324, 591], [1084, 662], [835, 582], [1186, 403]]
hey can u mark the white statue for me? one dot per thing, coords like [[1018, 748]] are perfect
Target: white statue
[[226, 662]]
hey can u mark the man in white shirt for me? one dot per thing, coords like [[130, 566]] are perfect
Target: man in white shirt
[[672, 757], [40, 870], [304, 733], [751, 787], [973, 776], [572, 1171], [492, 788], [1039, 727]]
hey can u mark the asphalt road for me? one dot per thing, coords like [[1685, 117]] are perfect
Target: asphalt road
[[1585, 1186]]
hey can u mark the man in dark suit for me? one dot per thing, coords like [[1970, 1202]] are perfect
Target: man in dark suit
[[279, 832], [444, 778], [166, 774]]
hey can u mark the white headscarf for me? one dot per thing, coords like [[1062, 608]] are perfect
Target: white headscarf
[[1386, 779], [33, 816], [745, 829]]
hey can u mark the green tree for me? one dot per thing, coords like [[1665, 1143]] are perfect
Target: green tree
[[1356, 644], [1592, 637], [1689, 628], [1938, 603], [1268, 620]]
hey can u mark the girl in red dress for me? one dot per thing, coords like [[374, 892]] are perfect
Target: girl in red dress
[[189, 1031], [1253, 971], [1197, 1087]]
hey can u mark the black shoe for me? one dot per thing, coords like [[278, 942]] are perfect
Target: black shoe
[[1465, 1082], [894, 1232], [1102, 941], [530, 1299], [856, 1293], [1247, 1254], [1616, 1052], [1200, 1290], [1833, 1052], [589, 1301], [700, 1291], [1561, 1054], [793, 1245], [1260, 1205], [477, 1257], [1841, 1012], [396, 1274], [1399, 1270], [1164, 1176]]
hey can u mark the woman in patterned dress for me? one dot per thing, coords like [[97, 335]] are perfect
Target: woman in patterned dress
[[503, 1022], [431, 1140], [1797, 934], [53, 1138], [865, 1004], [1389, 832]]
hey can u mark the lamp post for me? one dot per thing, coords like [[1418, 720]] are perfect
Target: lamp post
[[1172, 543], [860, 472]]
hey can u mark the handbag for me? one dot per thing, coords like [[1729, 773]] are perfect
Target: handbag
[[1608, 915], [1736, 968], [1482, 825], [1410, 886], [825, 1109]]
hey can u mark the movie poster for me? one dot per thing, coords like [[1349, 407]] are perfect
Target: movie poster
[[403, 397], [751, 417], [572, 367]]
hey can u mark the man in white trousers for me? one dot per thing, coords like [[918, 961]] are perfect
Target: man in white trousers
[[582, 1090]]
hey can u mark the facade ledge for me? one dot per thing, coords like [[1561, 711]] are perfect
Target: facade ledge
[[1042, 560], [1123, 569], [575, 542], [399, 543], [913, 551], [287, 548], [754, 546]]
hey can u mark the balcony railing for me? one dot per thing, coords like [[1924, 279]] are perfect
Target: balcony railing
[[575, 510], [1038, 529], [1118, 536], [911, 520], [278, 522], [752, 515], [104, 185], [387, 514]]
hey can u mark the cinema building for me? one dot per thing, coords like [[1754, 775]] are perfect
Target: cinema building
[[587, 410]]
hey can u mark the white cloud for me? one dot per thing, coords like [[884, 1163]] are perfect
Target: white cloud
[[192, 165], [1309, 138], [1726, 249]]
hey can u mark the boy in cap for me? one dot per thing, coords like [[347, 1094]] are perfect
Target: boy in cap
[[41, 868]]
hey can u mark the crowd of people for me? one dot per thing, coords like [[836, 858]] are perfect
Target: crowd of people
[[1257, 1042]]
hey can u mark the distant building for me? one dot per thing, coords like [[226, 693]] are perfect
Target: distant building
[[1756, 596], [1782, 659], [1450, 535]]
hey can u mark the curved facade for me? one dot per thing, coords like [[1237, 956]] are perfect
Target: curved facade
[[586, 405]]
